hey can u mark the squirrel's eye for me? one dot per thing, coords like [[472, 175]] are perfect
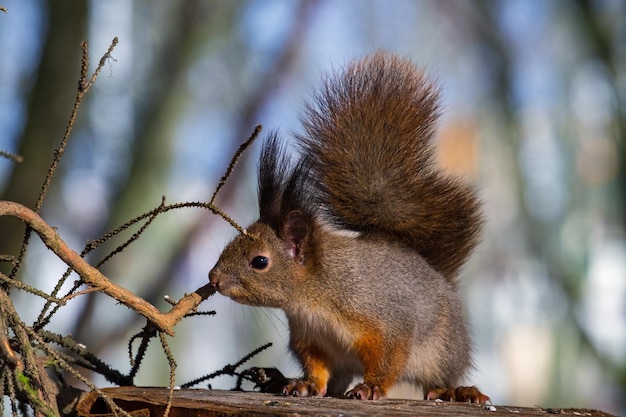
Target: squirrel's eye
[[259, 262]]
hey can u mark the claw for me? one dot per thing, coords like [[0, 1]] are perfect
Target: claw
[[365, 392], [302, 388], [460, 394]]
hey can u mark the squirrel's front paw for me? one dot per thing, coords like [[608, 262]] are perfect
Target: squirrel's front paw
[[302, 388], [460, 394], [365, 392]]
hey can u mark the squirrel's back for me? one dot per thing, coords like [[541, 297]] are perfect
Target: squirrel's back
[[368, 145]]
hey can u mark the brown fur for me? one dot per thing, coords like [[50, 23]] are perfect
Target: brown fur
[[360, 239]]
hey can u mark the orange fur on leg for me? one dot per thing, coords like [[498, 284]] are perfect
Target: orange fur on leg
[[315, 364], [382, 365]]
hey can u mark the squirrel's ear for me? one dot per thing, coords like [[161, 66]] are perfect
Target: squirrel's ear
[[295, 233]]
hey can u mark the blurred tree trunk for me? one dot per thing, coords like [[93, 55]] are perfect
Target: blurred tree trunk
[[156, 114], [605, 48], [49, 107]]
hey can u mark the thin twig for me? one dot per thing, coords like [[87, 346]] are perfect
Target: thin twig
[[224, 179], [234, 224], [60, 151], [158, 210], [147, 333], [33, 384], [229, 369], [172, 363], [8, 354], [84, 66], [155, 211], [19, 284], [201, 313], [77, 294], [11, 156], [42, 321], [8, 258], [135, 236], [102, 62], [12, 394], [96, 363], [234, 160], [66, 367]]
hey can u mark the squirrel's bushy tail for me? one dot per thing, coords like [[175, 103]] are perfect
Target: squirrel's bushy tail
[[368, 137]]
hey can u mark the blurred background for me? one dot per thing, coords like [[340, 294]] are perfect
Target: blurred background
[[534, 95]]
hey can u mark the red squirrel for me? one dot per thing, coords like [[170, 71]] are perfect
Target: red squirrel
[[360, 239]]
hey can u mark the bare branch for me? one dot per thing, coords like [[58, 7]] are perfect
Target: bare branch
[[19, 284], [64, 365], [60, 151], [82, 90], [165, 322], [172, 363]]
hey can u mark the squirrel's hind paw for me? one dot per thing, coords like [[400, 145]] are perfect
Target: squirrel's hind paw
[[302, 388], [460, 394], [365, 392]]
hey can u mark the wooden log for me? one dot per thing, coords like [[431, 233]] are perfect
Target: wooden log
[[203, 403]]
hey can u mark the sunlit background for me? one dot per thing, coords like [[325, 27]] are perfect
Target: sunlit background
[[534, 93]]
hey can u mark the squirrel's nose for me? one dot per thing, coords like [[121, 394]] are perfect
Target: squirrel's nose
[[222, 281], [214, 278]]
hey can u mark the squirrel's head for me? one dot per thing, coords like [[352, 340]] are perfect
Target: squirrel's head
[[263, 266]]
